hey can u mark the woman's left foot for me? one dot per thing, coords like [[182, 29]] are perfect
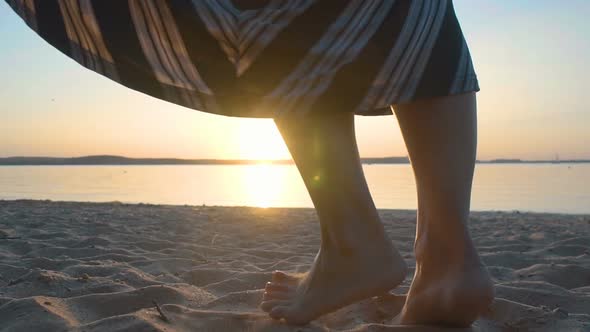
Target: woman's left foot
[[447, 292], [335, 280]]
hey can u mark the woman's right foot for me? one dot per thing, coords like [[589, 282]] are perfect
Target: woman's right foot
[[334, 281]]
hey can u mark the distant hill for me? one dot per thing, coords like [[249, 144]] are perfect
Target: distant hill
[[118, 160], [520, 161], [505, 161]]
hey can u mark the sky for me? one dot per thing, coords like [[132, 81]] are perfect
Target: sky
[[531, 57]]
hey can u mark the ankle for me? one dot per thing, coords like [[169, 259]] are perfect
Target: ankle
[[359, 247], [438, 249], [355, 238], [443, 237]]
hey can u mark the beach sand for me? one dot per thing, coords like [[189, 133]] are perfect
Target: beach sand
[[102, 267]]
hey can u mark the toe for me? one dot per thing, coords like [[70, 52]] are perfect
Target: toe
[[282, 277], [278, 276], [267, 296], [272, 287], [267, 306]]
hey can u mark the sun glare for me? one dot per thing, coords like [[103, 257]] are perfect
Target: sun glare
[[259, 139], [263, 184]]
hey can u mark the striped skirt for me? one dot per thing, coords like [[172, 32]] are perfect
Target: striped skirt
[[265, 58]]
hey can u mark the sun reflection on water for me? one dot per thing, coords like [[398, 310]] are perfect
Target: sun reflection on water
[[263, 184]]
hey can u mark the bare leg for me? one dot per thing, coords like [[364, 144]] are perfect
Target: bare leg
[[356, 260], [450, 286]]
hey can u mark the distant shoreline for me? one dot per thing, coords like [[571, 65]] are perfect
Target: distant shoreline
[[119, 160]]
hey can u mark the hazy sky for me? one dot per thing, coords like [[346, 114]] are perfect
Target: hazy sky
[[532, 58]]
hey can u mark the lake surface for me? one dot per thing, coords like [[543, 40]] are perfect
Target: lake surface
[[526, 187]]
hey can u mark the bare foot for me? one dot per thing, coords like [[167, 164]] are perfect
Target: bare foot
[[334, 281], [447, 295]]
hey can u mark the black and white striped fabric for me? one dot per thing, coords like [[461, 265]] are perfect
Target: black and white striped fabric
[[278, 57]]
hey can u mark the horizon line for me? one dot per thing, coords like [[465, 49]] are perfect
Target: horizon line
[[122, 160]]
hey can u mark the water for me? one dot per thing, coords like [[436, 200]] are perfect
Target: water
[[526, 187]]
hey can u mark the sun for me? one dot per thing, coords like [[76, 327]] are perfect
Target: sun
[[259, 139]]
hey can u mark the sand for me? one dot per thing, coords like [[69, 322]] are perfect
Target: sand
[[102, 267]]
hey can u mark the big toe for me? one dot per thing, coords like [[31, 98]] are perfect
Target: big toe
[[277, 287], [267, 296], [281, 277]]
